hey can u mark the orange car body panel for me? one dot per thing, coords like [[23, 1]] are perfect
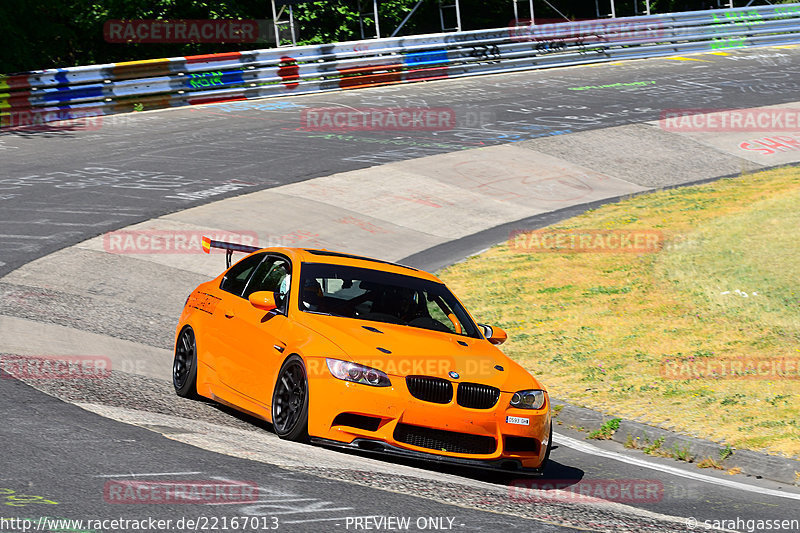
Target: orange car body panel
[[240, 350]]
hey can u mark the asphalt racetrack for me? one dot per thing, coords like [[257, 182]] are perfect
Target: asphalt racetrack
[[59, 187]]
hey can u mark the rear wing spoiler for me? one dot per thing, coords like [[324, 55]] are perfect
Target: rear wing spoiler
[[229, 248]]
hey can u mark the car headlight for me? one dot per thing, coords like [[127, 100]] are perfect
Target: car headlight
[[357, 373], [528, 399]]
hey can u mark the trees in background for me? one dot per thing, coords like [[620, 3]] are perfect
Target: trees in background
[[58, 33]]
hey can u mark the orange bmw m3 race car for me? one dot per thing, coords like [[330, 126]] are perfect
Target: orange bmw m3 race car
[[350, 351]]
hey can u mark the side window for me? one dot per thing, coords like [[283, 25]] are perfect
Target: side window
[[272, 275], [441, 313], [438, 314], [235, 279]]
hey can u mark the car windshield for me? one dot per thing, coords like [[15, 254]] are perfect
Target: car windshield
[[378, 296]]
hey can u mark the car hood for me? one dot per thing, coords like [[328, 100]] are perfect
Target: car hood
[[403, 351]]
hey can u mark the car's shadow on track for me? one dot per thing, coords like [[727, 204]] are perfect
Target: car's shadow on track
[[564, 474], [243, 417]]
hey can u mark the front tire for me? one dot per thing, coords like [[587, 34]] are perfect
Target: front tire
[[290, 401], [184, 365], [549, 447]]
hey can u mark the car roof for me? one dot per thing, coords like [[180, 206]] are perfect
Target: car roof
[[331, 257]]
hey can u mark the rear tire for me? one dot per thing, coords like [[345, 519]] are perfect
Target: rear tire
[[184, 365], [290, 401]]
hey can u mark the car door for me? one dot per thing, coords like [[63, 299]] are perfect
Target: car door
[[256, 339], [216, 338]]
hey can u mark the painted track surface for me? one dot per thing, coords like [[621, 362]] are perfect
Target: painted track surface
[[76, 453], [60, 187], [248, 146]]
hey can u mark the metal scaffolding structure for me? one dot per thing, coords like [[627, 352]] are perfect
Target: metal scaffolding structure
[[362, 14], [449, 15], [410, 14], [282, 17], [450, 5], [516, 10]]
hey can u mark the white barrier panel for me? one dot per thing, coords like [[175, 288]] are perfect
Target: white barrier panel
[[171, 82]]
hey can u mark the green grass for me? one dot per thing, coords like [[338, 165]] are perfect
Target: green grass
[[599, 328], [754, 252]]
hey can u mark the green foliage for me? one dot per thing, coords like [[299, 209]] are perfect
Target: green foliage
[[41, 34], [734, 399], [606, 431], [59, 33], [550, 290], [778, 398], [607, 290], [654, 447], [681, 453], [726, 452]]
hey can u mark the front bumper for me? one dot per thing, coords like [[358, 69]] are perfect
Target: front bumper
[[392, 413]]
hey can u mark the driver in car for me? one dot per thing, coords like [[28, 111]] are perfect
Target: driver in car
[[311, 295], [399, 302]]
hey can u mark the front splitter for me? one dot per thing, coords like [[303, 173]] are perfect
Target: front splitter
[[382, 448]]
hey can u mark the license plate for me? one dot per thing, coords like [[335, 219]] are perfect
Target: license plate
[[518, 420]]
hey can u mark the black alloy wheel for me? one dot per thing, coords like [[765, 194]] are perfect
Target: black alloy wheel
[[290, 400]]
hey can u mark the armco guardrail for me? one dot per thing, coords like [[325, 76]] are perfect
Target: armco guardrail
[[68, 93]]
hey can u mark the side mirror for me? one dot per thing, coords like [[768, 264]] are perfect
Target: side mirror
[[494, 335], [263, 300]]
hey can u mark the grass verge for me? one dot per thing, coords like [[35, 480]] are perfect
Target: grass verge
[[601, 329]]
